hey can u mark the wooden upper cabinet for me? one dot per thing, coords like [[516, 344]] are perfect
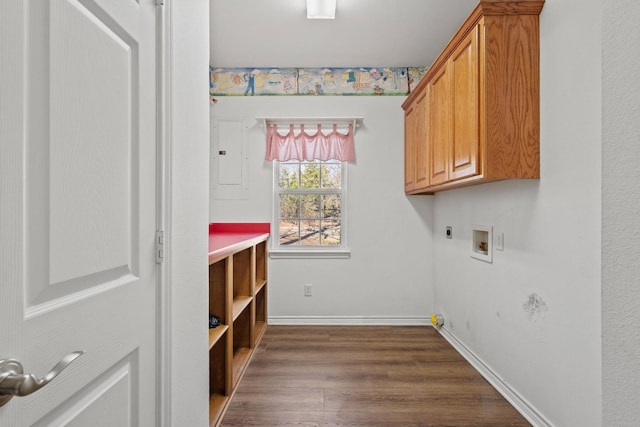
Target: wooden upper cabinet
[[482, 118]]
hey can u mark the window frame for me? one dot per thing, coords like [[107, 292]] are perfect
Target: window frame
[[308, 251]]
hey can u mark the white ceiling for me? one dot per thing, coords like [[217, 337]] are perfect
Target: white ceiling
[[365, 33]]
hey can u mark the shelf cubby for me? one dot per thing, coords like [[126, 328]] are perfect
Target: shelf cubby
[[239, 305], [218, 289], [217, 406], [260, 301], [242, 331], [219, 364], [216, 334], [261, 264], [242, 274]]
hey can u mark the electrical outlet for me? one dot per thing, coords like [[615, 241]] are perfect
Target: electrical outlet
[[307, 290], [499, 241]]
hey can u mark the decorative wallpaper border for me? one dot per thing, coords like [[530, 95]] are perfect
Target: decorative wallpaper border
[[381, 81]]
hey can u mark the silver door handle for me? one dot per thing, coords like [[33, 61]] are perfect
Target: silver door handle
[[14, 382]]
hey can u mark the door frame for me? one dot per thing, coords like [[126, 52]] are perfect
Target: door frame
[[184, 397], [180, 27], [163, 211]]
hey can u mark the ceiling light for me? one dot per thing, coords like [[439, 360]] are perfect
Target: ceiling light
[[321, 9]]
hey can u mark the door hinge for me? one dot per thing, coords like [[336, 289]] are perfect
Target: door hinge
[[159, 246], [159, 2]]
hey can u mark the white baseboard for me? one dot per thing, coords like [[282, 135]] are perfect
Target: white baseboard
[[350, 320], [527, 410]]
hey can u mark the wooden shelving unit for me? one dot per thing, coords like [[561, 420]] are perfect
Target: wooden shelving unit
[[238, 296]]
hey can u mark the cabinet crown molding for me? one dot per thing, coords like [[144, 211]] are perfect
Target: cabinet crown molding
[[501, 7]]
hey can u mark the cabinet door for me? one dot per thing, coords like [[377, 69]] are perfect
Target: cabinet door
[[420, 143], [465, 143], [439, 127], [410, 127]]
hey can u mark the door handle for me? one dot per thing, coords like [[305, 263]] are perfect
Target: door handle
[[14, 382]]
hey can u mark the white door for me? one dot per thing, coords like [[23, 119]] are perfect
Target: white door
[[78, 208]]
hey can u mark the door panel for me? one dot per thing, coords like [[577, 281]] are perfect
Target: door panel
[[95, 402], [91, 185], [465, 141], [83, 177], [439, 126], [410, 126], [421, 146], [84, 219]]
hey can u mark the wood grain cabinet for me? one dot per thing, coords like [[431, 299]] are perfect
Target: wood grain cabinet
[[238, 297], [475, 115]]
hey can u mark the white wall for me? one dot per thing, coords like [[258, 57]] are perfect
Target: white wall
[[188, 170], [620, 213], [533, 315], [388, 277]]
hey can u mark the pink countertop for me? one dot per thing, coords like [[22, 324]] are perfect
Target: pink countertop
[[229, 237]]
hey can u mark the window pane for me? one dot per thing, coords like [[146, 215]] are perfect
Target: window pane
[[331, 173], [330, 233], [289, 233], [289, 206], [310, 196], [310, 175], [309, 233], [331, 206], [289, 176], [310, 206]]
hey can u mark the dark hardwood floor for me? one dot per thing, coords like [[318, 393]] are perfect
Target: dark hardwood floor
[[363, 376]]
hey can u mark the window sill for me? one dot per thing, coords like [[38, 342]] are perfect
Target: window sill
[[311, 254]]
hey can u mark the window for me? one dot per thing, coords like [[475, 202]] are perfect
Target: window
[[310, 186], [309, 208]]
